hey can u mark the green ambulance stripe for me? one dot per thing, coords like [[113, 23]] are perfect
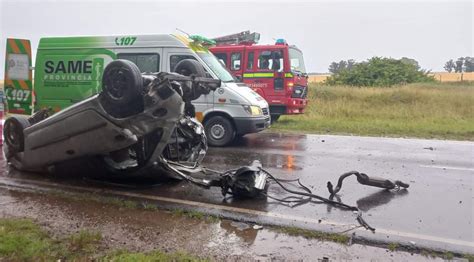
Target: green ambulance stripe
[[72, 42]]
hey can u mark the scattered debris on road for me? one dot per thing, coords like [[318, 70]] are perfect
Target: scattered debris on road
[[366, 180]]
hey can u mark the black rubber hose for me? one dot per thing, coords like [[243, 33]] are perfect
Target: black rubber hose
[[325, 200], [366, 180], [339, 182]]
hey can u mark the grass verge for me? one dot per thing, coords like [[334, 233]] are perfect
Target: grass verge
[[23, 240], [310, 234], [127, 256], [434, 110]]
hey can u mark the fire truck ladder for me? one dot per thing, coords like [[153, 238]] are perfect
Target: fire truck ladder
[[243, 38]]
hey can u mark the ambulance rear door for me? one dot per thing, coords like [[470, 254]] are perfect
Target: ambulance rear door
[[18, 77]]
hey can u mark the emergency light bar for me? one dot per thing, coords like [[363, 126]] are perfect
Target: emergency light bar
[[281, 41], [202, 40]]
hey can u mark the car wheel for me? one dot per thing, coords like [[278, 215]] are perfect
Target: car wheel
[[219, 131], [13, 132], [189, 67], [122, 88]]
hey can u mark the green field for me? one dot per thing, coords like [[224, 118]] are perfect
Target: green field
[[434, 110]]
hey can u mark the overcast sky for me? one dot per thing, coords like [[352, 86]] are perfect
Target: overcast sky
[[431, 32]]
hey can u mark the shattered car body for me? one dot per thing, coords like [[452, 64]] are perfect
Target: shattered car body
[[137, 124]]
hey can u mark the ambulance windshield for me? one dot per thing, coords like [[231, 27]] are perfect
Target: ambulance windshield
[[216, 67]]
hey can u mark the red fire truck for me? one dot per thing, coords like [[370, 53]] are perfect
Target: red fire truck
[[277, 72]]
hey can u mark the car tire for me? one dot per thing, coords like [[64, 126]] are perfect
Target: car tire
[[188, 67], [122, 88], [219, 131], [13, 132]]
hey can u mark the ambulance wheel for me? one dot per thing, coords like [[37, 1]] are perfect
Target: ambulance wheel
[[13, 133], [189, 67], [122, 83], [219, 131]]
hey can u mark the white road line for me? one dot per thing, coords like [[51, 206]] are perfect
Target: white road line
[[449, 167], [7, 183]]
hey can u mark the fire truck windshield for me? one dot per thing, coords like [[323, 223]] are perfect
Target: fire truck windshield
[[296, 60], [216, 67]]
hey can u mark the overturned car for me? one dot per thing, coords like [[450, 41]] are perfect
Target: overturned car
[[138, 124]]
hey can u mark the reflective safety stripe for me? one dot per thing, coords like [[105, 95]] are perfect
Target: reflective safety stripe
[[250, 75], [288, 75]]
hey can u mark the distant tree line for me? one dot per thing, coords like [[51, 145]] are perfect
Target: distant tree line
[[462, 64], [377, 71], [336, 67]]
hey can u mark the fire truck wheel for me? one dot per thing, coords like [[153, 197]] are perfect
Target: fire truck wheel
[[219, 131], [274, 118], [13, 132], [122, 83], [189, 67]]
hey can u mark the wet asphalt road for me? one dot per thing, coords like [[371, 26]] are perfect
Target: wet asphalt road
[[436, 211]]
